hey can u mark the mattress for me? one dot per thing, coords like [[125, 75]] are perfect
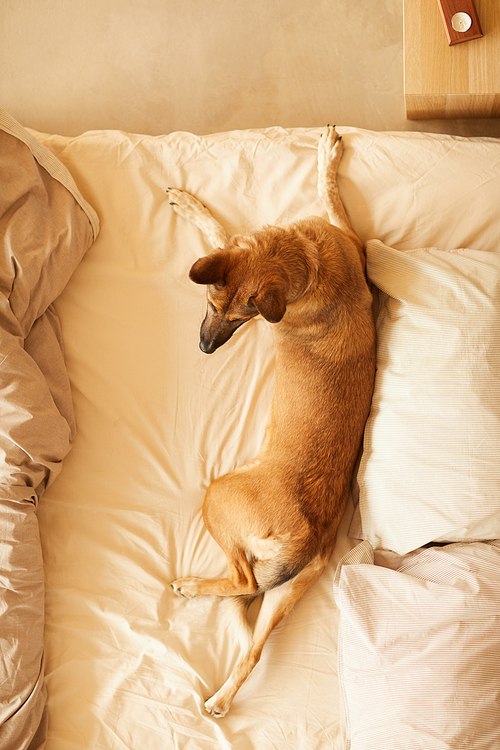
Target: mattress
[[151, 421]]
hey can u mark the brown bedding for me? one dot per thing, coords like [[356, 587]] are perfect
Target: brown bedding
[[45, 228]]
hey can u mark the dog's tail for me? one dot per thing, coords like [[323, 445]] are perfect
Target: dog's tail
[[234, 617], [276, 559], [271, 573]]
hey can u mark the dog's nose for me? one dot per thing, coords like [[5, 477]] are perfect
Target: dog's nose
[[207, 347]]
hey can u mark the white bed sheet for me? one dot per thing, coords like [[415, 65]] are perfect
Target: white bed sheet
[[129, 665]]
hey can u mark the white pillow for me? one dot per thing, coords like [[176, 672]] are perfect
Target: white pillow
[[430, 468], [419, 648]]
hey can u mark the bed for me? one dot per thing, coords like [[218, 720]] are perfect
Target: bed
[[113, 424]]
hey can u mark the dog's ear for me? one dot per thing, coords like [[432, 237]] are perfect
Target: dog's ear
[[271, 303], [210, 269]]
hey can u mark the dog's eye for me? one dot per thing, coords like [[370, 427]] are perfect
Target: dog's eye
[[212, 307]]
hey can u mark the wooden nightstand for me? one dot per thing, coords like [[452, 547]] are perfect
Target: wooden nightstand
[[458, 81]]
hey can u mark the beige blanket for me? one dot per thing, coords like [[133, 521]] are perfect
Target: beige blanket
[[45, 228]]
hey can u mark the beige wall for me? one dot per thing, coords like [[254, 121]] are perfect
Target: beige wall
[[155, 66]]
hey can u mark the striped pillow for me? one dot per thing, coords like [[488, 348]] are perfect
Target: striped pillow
[[430, 468], [419, 648]]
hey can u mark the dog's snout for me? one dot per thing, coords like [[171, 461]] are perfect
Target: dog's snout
[[210, 342], [207, 347], [215, 331]]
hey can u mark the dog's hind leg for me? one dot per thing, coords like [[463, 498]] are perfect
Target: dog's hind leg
[[191, 209], [330, 150], [277, 603], [239, 580]]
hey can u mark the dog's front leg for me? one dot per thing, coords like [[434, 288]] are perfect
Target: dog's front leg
[[191, 209], [330, 150]]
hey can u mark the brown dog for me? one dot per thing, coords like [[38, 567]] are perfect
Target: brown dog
[[276, 518]]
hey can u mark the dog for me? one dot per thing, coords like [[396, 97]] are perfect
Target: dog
[[276, 518]]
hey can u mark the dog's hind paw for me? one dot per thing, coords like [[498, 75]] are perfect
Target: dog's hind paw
[[186, 587], [214, 708]]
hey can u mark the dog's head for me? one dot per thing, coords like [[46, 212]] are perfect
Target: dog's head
[[238, 289], [254, 274]]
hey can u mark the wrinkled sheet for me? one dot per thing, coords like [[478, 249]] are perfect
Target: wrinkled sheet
[[44, 232], [128, 664]]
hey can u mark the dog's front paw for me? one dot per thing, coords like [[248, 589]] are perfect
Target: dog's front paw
[[329, 139], [184, 204], [330, 148], [186, 587]]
